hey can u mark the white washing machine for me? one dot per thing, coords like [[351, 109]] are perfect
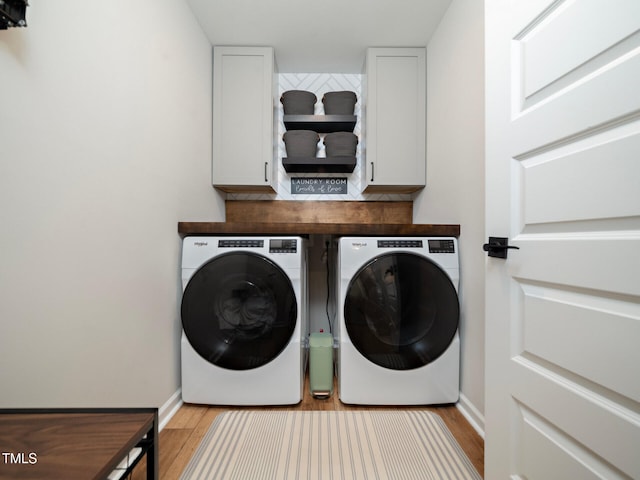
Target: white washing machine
[[398, 314], [244, 320]]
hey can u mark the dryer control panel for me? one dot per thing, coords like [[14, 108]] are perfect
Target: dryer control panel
[[441, 246], [399, 243], [242, 243], [436, 245]]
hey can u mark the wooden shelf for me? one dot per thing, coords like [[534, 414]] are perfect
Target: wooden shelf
[[320, 123], [278, 217], [314, 211], [340, 229], [342, 164]]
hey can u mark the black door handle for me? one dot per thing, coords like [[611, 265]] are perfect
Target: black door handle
[[498, 246]]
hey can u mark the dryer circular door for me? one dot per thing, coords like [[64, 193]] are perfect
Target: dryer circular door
[[239, 310], [401, 311]]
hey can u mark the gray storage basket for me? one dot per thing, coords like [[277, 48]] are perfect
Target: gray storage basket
[[298, 102], [340, 144], [301, 143], [339, 103]]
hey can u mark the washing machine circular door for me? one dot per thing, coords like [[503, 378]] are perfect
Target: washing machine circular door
[[239, 311], [401, 311]]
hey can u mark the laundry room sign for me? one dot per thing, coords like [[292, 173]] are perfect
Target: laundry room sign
[[318, 186]]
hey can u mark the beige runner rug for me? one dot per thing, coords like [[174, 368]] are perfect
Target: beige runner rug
[[323, 445]]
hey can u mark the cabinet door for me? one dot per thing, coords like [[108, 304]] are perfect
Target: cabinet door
[[395, 119], [243, 96]]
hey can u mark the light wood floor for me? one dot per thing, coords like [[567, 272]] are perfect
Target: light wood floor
[[182, 435]]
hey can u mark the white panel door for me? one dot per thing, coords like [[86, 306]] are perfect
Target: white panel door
[[394, 144], [243, 111], [563, 183]]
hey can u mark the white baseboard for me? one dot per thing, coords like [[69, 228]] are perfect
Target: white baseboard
[[169, 409], [472, 414]]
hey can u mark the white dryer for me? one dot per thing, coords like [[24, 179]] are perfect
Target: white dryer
[[244, 320], [397, 330]]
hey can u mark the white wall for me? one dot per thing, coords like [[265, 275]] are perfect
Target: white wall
[[104, 146], [455, 172], [105, 132]]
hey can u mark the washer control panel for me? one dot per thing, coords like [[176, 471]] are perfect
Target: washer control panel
[[441, 246], [283, 245]]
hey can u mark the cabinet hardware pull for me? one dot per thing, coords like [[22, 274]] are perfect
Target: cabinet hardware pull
[[266, 165], [372, 171]]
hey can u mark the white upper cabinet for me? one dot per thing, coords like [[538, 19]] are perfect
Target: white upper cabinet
[[394, 120], [244, 91]]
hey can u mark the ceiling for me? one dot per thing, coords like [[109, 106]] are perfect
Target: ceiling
[[321, 36]]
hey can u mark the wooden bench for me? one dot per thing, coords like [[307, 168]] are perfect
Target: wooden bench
[[76, 443]]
